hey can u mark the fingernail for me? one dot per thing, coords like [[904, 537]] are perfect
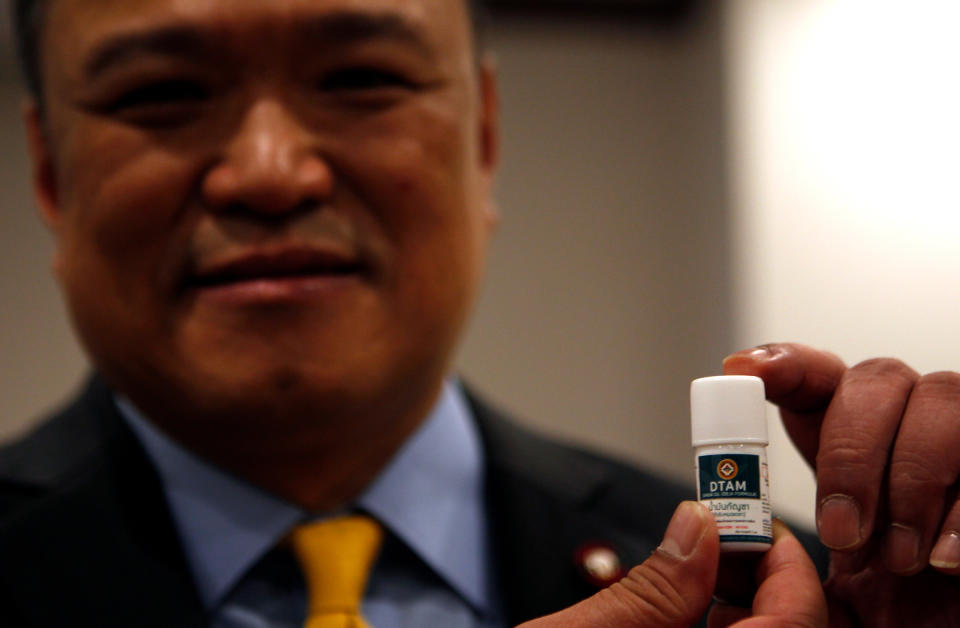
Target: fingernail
[[839, 522], [946, 553], [684, 532], [757, 353], [902, 549]]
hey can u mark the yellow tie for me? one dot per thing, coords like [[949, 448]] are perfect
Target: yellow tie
[[336, 556]]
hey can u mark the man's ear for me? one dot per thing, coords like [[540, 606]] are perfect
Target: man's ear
[[490, 114], [43, 175], [43, 178], [490, 133]]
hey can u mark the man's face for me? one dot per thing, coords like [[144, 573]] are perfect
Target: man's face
[[265, 207]]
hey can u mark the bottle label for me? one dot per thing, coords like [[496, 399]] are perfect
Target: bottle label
[[736, 489]]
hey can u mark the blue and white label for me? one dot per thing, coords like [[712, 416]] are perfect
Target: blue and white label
[[736, 489]]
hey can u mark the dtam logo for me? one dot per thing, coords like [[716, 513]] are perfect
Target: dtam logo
[[727, 469]]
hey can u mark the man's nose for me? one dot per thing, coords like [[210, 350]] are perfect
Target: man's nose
[[270, 165]]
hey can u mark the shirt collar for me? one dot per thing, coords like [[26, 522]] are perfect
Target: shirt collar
[[225, 524], [430, 495]]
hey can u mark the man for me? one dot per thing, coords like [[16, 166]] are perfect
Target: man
[[270, 223]]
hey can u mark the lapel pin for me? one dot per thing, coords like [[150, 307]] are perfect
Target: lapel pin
[[599, 564]]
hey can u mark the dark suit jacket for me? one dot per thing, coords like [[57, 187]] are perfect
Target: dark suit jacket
[[86, 538]]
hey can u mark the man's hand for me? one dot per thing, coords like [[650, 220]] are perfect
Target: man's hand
[[885, 444], [674, 586]]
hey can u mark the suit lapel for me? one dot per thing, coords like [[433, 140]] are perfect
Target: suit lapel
[[128, 570], [545, 501], [542, 500]]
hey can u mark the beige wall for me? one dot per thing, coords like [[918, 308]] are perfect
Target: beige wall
[[39, 360], [608, 287], [844, 177]]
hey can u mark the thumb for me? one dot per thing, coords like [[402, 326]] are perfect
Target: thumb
[[672, 588]]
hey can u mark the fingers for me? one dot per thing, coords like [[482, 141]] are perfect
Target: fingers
[[723, 615], [789, 594], [923, 468], [856, 440], [945, 556], [844, 421], [886, 446], [799, 379], [790, 588], [672, 588]]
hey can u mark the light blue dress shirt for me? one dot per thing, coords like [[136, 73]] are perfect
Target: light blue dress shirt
[[429, 496]]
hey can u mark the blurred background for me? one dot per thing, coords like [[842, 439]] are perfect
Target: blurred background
[[680, 180]]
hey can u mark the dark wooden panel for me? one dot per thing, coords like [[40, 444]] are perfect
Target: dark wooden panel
[[650, 8]]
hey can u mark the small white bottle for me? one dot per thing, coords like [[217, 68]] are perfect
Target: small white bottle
[[729, 427]]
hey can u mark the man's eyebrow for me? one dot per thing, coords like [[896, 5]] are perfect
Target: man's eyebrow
[[177, 40], [338, 28]]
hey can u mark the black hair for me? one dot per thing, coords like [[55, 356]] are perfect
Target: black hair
[[27, 21]]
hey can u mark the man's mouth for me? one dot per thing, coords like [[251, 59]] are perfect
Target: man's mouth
[[277, 274]]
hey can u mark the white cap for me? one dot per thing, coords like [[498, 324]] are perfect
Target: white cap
[[728, 409]]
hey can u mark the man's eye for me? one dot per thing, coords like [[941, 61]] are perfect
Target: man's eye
[[158, 100], [361, 79]]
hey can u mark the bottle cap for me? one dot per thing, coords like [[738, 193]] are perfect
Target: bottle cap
[[728, 409]]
